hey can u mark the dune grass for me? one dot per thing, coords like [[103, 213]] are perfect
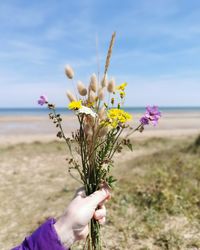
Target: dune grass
[[158, 197]]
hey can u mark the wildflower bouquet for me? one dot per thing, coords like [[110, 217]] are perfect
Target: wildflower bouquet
[[102, 120]]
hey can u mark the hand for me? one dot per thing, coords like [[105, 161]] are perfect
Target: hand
[[73, 224]]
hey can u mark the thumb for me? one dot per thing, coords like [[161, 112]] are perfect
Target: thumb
[[98, 197]]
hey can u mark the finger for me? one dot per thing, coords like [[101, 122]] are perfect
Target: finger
[[100, 213], [102, 221], [98, 197], [106, 200], [105, 185], [80, 235]]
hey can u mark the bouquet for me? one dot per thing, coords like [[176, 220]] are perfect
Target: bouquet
[[102, 122]]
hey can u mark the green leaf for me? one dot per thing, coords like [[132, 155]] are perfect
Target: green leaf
[[111, 181], [130, 146]]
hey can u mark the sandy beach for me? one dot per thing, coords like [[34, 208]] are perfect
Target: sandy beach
[[162, 170], [19, 129]]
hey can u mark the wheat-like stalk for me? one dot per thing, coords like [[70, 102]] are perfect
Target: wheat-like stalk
[[109, 53]]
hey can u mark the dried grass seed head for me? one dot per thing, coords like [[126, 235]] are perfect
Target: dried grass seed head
[[104, 81], [102, 113], [91, 96], [69, 71], [109, 52], [101, 94], [70, 96], [81, 88], [93, 83], [111, 86]]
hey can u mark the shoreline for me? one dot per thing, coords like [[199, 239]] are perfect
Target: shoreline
[[28, 129]]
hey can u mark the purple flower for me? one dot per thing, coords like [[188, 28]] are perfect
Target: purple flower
[[43, 100], [144, 120], [152, 114]]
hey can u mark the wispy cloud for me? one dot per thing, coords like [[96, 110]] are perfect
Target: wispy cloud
[[27, 52]]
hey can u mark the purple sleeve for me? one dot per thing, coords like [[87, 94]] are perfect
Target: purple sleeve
[[44, 238]]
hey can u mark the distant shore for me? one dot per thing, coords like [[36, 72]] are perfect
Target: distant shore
[[28, 128]]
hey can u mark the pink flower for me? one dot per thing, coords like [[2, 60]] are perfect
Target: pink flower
[[43, 100]]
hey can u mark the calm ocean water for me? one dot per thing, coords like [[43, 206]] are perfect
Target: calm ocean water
[[44, 111]]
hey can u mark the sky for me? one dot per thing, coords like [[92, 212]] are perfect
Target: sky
[[157, 49]]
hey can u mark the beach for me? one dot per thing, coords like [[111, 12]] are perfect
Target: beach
[[35, 184], [18, 129]]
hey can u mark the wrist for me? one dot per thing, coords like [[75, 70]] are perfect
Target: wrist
[[64, 232]]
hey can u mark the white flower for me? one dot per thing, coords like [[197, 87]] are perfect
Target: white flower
[[86, 111]]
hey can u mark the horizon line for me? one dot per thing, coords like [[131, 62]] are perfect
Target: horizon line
[[162, 106]]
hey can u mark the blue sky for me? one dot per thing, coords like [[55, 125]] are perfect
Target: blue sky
[[157, 49]]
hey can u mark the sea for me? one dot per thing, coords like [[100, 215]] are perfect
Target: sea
[[44, 111], [34, 121]]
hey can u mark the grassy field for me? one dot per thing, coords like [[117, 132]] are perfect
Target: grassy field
[[155, 204]]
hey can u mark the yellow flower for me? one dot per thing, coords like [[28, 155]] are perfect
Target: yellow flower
[[75, 105], [122, 94], [90, 104], [114, 124], [104, 123], [122, 86], [117, 116]]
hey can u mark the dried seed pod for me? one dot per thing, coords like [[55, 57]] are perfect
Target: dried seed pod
[[69, 71], [93, 83], [112, 101], [90, 120], [103, 131], [111, 86], [59, 134], [101, 94], [87, 129], [102, 112], [70, 96], [92, 96], [81, 88]]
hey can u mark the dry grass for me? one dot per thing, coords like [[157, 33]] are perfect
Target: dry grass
[[156, 204]]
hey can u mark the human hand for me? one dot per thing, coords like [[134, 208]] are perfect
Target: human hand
[[73, 224]]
